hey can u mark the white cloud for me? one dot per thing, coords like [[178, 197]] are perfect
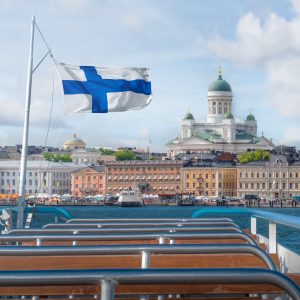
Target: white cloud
[[272, 44], [283, 89], [257, 42], [291, 136]]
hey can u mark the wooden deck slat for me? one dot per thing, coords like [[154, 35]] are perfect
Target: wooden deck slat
[[140, 289], [130, 261]]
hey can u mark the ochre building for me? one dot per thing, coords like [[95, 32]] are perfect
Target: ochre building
[[210, 181]]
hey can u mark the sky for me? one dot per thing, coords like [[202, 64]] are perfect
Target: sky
[[182, 42]]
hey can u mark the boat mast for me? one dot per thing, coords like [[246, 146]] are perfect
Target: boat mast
[[23, 165]]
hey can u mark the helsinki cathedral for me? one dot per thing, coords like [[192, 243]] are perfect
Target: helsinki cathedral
[[221, 131]]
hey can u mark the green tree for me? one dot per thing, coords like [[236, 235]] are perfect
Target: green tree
[[57, 157], [126, 155], [256, 155], [106, 151]]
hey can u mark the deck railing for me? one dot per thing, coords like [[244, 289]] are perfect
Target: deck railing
[[78, 230], [273, 218], [110, 277], [162, 238], [144, 250]]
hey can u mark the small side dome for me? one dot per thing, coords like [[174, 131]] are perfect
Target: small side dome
[[229, 115], [251, 117], [189, 116]]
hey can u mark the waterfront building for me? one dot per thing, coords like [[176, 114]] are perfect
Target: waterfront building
[[221, 131], [41, 177], [277, 178], [90, 156], [151, 176], [74, 143], [209, 180], [88, 181]]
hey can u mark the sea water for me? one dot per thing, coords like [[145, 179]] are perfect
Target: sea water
[[287, 236]]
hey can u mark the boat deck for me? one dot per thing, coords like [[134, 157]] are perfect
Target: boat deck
[[142, 259]]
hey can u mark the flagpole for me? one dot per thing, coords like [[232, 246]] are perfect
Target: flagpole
[[23, 165]]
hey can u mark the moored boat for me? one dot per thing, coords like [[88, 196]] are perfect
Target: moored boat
[[129, 199]]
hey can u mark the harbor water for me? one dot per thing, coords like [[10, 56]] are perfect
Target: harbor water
[[288, 237]]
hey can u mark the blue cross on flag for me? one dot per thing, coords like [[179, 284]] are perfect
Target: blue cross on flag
[[102, 90]]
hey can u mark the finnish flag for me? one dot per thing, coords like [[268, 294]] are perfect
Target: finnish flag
[[102, 90]]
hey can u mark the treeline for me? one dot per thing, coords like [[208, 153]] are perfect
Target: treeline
[[57, 157], [253, 156]]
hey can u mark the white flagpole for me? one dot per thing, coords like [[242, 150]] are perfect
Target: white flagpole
[[23, 165]]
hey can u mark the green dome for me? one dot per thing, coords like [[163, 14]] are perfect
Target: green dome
[[189, 116], [250, 117], [219, 85], [229, 115]]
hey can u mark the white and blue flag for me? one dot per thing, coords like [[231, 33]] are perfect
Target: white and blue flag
[[102, 90]]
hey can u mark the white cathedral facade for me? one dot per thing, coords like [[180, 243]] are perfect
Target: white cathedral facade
[[221, 131]]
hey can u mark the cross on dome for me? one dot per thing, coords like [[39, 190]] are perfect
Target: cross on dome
[[220, 72]]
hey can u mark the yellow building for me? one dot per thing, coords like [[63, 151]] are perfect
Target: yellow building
[[210, 181]]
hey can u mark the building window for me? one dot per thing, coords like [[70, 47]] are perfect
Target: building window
[[283, 185], [263, 185], [187, 185], [291, 185], [252, 175], [252, 185], [241, 185], [187, 176], [270, 185], [246, 185], [194, 184], [270, 175]]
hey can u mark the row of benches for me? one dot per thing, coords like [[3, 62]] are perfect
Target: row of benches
[[186, 258]]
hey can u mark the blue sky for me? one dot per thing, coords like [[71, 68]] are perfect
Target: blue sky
[[182, 42]]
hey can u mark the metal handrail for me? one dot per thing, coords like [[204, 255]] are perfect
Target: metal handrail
[[77, 230], [80, 220], [288, 220], [138, 249], [109, 277], [123, 237], [138, 224]]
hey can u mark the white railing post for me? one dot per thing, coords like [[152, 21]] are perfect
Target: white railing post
[[162, 240], [253, 225], [107, 289], [145, 265], [272, 238], [145, 259]]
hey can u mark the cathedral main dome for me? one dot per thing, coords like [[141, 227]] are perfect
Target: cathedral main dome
[[219, 85]]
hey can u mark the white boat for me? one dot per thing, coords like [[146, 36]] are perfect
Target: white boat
[[129, 199]]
